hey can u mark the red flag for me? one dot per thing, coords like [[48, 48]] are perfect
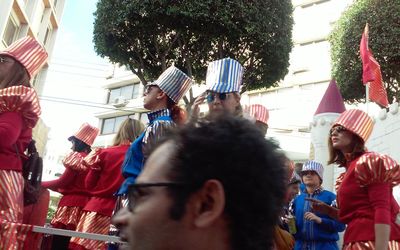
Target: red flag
[[372, 73]]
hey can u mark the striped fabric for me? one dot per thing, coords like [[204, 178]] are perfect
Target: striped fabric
[[86, 133], [74, 160], [356, 121], [13, 235], [29, 53], [370, 245], [224, 76], [174, 83], [259, 112], [23, 100], [11, 196], [377, 168], [314, 166], [66, 217], [91, 222]]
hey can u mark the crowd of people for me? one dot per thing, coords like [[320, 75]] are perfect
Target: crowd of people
[[200, 181]]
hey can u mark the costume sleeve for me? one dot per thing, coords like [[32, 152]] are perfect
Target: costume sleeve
[[10, 128], [94, 163], [61, 183], [152, 134], [74, 161], [22, 100], [332, 225], [378, 174], [376, 168]]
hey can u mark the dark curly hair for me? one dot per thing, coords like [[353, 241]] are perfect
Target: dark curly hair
[[250, 168], [79, 145]]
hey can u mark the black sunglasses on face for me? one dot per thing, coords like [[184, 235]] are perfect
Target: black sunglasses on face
[[135, 191], [211, 96], [3, 60], [337, 129], [148, 88]]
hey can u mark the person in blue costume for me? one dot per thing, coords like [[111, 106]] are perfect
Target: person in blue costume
[[314, 230], [161, 98]]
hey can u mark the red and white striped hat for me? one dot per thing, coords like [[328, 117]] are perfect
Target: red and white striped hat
[[29, 53], [356, 121], [86, 133], [259, 112]]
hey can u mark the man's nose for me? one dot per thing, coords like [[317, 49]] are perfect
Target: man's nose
[[121, 218]]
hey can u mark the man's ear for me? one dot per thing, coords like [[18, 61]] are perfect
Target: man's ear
[[208, 204], [161, 95]]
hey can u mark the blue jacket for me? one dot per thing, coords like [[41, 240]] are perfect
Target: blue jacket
[[311, 235]]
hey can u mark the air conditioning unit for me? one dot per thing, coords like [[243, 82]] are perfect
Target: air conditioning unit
[[120, 101]]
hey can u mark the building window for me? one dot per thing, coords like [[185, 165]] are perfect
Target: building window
[[128, 92], [111, 125], [10, 32], [47, 36]]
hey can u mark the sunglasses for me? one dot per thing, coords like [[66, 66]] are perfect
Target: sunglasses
[[337, 129], [138, 190], [3, 60], [307, 172], [147, 89], [221, 96]]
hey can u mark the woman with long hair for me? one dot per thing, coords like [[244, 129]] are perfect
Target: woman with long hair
[[71, 184], [102, 181], [364, 191], [19, 113]]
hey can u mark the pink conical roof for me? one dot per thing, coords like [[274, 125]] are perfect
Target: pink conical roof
[[332, 101]]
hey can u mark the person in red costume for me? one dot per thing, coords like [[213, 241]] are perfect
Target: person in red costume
[[364, 191], [72, 184], [19, 113], [103, 180]]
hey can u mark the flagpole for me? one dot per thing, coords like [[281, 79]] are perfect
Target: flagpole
[[367, 96]]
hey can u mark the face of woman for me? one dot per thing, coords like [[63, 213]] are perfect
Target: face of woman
[[341, 139], [6, 64], [150, 97], [222, 102]]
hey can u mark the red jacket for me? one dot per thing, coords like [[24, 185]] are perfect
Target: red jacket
[[72, 182], [365, 197], [104, 178], [19, 113]]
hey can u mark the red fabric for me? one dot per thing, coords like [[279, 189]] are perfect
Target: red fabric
[[372, 72], [36, 214], [104, 179], [71, 184], [12, 134], [362, 207]]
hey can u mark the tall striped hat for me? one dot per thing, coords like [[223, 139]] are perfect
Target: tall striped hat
[[356, 121], [86, 133], [174, 83], [29, 53], [313, 166], [224, 76], [259, 112]]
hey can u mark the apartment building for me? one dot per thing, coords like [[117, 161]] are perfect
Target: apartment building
[[39, 19], [293, 104]]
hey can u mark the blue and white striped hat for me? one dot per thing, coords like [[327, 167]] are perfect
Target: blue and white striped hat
[[174, 83], [314, 166], [224, 76]]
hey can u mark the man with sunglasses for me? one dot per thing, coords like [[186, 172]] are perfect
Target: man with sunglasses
[[213, 184], [224, 78]]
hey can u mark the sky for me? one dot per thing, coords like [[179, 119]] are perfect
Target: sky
[[76, 75]]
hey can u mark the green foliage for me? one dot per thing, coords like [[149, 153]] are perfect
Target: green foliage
[[150, 35], [383, 18]]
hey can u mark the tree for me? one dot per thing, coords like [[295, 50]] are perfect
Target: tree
[[383, 18], [150, 35]]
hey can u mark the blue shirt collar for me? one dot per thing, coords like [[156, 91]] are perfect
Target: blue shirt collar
[[158, 113]]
